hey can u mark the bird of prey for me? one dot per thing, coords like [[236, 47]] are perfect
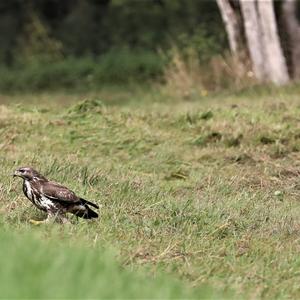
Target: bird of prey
[[56, 200]]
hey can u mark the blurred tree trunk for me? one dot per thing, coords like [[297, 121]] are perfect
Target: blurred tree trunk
[[289, 10], [276, 65], [260, 28], [232, 26], [254, 38]]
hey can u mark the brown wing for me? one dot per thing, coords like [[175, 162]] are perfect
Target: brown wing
[[59, 192]]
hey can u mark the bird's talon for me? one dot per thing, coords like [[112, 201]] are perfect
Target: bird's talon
[[35, 222]]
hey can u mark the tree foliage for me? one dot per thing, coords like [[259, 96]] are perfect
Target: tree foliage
[[93, 27]]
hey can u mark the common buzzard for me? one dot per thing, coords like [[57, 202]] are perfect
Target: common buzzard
[[56, 200]]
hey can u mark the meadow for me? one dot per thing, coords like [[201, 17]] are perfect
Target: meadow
[[199, 198]]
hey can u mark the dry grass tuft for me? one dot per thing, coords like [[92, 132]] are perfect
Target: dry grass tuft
[[185, 76]]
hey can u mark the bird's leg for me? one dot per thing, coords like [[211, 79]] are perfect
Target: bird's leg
[[65, 220], [36, 222], [62, 218], [51, 217], [47, 220]]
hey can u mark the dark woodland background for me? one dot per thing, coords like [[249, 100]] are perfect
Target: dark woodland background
[[85, 44], [94, 27], [97, 41]]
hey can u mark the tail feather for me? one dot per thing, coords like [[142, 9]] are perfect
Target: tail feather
[[86, 214], [89, 203]]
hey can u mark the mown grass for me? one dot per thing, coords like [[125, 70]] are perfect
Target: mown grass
[[204, 190]]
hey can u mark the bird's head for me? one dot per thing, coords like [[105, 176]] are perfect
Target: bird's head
[[27, 173]]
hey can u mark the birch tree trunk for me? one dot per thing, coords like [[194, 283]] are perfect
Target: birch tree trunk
[[254, 37], [263, 41], [232, 26], [276, 65], [289, 8]]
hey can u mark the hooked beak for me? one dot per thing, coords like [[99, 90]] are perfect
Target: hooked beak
[[16, 173]]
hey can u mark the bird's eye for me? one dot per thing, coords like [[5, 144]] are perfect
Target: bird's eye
[[22, 171]]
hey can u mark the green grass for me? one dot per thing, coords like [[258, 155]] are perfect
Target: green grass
[[206, 191], [35, 269]]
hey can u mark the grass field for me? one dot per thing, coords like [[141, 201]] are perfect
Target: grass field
[[203, 191]]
